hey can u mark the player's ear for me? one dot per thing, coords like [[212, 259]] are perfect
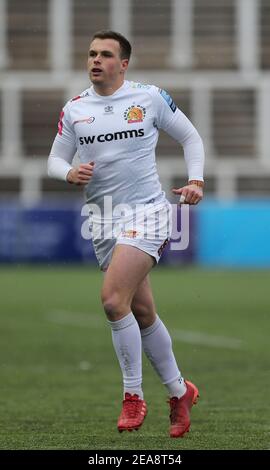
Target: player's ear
[[125, 63]]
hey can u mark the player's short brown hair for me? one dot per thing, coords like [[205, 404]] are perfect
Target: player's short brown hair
[[125, 47]]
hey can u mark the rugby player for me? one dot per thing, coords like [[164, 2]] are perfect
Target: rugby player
[[114, 126]]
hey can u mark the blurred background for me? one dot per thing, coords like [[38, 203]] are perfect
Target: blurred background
[[212, 56]]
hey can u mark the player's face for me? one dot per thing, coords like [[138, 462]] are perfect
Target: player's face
[[105, 66]]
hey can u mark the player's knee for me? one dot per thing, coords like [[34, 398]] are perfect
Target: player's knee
[[140, 310], [144, 314], [113, 305]]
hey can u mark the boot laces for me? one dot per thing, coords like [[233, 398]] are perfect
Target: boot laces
[[131, 406]]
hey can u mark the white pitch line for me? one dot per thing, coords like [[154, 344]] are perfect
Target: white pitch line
[[204, 339], [76, 319], [97, 321]]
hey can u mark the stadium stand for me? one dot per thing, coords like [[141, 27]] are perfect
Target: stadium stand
[[213, 57]]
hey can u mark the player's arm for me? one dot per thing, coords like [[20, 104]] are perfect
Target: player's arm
[[185, 133], [62, 154], [178, 126]]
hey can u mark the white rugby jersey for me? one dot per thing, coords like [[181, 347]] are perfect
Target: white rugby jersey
[[119, 133]]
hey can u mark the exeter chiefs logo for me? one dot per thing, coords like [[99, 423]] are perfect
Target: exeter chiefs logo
[[135, 114]]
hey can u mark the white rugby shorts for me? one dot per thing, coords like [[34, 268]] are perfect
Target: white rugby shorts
[[148, 229]]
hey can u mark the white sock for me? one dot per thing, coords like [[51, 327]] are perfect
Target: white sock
[[157, 345], [177, 388], [127, 343]]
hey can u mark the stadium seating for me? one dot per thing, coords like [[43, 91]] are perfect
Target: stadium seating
[[228, 103]]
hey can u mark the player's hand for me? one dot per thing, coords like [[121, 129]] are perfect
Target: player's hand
[[190, 194], [81, 174]]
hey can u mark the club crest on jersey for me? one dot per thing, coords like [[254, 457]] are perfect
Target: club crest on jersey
[[135, 114]]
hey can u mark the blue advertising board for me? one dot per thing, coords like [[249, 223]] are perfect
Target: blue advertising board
[[52, 232]]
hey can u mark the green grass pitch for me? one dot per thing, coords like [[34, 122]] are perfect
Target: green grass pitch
[[61, 383]]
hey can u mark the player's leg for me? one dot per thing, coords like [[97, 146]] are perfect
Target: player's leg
[[157, 345], [156, 340], [128, 267], [143, 305]]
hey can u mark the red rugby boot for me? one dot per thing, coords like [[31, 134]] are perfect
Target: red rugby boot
[[133, 413], [180, 410]]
